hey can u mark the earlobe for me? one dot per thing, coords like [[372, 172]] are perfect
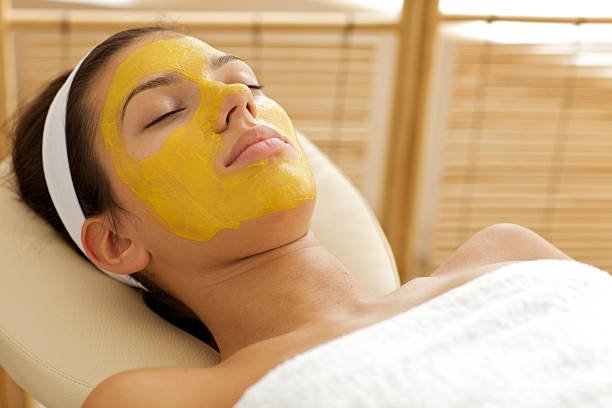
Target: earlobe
[[109, 251]]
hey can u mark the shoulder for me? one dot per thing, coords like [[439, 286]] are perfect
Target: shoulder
[[498, 244], [164, 387]]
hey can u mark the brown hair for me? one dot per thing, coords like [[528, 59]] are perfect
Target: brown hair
[[91, 186]]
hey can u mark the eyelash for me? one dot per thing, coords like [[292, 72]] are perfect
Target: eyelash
[[257, 87], [164, 116]]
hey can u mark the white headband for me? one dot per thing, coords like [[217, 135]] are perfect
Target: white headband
[[57, 172]]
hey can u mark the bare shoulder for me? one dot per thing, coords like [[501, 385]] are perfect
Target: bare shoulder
[[498, 244], [165, 387], [486, 251]]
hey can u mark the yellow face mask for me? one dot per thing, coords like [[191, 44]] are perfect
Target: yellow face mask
[[179, 182]]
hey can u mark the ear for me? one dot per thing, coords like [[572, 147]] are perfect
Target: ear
[[109, 251]]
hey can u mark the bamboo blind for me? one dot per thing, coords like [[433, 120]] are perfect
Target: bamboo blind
[[325, 80], [527, 140]]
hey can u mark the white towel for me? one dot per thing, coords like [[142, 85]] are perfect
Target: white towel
[[531, 334]]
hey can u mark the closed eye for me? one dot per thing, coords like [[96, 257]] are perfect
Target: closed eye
[[257, 87], [164, 116]]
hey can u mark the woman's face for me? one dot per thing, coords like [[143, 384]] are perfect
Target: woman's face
[[196, 143]]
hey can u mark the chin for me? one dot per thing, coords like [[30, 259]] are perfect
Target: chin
[[269, 232]]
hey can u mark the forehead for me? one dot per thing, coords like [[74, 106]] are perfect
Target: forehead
[[186, 55], [150, 54]]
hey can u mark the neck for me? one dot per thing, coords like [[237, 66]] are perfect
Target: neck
[[274, 293]]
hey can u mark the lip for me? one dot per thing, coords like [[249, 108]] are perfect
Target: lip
[[250, 137]]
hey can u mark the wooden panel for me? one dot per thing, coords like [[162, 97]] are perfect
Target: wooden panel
[[11, 396], [527, 140]]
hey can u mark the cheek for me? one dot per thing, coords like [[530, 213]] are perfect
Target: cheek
[[272, 113], [184, 163], [179, 180]]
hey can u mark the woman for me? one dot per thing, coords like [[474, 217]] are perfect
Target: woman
[[191, 182]]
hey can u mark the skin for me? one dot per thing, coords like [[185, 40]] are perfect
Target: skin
[[267, 290]]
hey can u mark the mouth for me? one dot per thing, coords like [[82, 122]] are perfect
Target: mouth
[[256, 143]]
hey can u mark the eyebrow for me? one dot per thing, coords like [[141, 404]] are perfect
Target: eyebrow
[[219, 60], [162, 80]]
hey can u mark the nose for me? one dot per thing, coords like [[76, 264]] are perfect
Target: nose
[[236, 107]]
